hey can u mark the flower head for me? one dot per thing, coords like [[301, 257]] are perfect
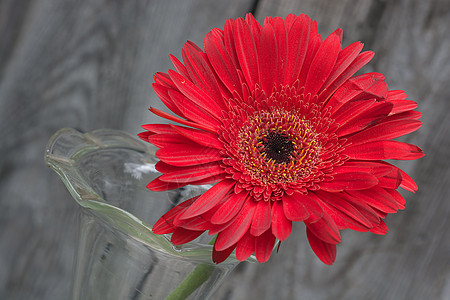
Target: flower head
[[273, 117]]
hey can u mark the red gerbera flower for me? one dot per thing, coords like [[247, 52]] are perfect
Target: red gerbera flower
[[273, 116]]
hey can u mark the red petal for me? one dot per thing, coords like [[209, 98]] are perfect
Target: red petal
[[220, 256], [201, 137], [325, 252], [407, 182], [262, 218], [188, 154], [370, 85], [310, 203], [229, 209], [245, 247], [381, 214], [362, 87], [281, 226], [385, 131], [325, 229], [245, 97], [314, 205], [195, 94], [157, 185], [335, 215], [352, 110], [293, 207], [229, 33], [391, 180], [323, 63], [192, 111], [349, 181], [268, 59], [163, 94], [193, 173], [201, 73], [314, 42], [375, 168], [398, 198], [402, 105], [398, 99], [167, 116], [351, 215], [159, 128], [166, 139], [182, 236], [164, 80], [364, 119], [162, 167], [378, 198], [210, 180], [165, 223], [365, 209], [344, 59], [298, 37], [144, 135], [381, 228], [290, 18], [217, 228], [411, 115], [379, 150], [282, 46], [394, 95], [209, 199], [179, 67], [264, 246], [233, 233], [246, 53], [362, 59], [196, 224], [221, 61], [254, 25]]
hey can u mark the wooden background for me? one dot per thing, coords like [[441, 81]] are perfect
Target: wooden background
[[89, 64]]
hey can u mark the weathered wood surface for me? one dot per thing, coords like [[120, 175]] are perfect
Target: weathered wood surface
[[89, 64]]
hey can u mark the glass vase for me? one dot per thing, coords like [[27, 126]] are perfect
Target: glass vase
[[119, 257]]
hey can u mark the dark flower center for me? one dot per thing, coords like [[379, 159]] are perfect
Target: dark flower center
[[277, 147]]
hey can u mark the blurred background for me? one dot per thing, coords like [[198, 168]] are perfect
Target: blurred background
[[89, 65]]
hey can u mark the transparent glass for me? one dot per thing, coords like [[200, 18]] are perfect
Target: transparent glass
[[119, 257]]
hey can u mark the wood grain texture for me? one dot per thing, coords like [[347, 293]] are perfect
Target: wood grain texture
[[89, 64]]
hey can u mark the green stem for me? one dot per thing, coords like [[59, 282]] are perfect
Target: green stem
[[193, 281]]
